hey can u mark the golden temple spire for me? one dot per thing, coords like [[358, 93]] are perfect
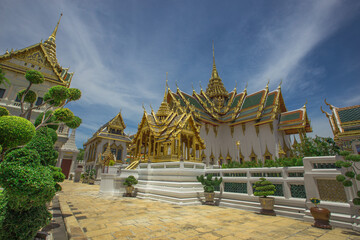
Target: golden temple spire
[[214, 73], [215, 88], [164, 108], [53, 35], [279, 87], [50, 45]]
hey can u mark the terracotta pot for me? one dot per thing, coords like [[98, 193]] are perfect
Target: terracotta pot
[[209, 197], [321, 217], [129, 190], [267, 205]]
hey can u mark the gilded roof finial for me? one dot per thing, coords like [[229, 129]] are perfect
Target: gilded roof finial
[[245, 89], [192, 85], [177, 87], [305, 104], [330, 106], [152, 110], [166, 87], [200, 86], [327, 114], [56, 28], [267, 85], [143, 107], [214, 73], [280, 83], [235, 85]]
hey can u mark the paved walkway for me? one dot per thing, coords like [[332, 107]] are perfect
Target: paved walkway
[[90, 215]]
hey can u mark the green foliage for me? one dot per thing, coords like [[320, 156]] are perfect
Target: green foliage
[[347, 183], [111, 163], [58, 93], [15, 131], [130, 180], [22, 225], [58, 176], [42, 142], [278, 162], [350, 174], [81, 154], [25, 185], [356, 201], [34, 77], [24, 156], [264, 188], [74, 94], [52, 119], [51, 132], [318, 146], [3, 111], [208, 183], [344, 153], [63, 114], [30, 96], [74, 123], [340, 178]]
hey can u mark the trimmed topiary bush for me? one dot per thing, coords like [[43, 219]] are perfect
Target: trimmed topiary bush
[[74, 123], [3, 111], [30, 96], [42, 142], [74, 94], [208, 183], [24, 225], [50, 132], [34, 77], [15, 131], [63, 114], [264, 188]]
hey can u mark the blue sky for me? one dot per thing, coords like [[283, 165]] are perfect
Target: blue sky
[[120, 51]]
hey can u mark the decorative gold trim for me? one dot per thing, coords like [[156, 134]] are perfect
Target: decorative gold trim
[[243, 128], [267, 154], [253, 155], [232, 131], [257, 130], [271, 127], [215, 128], [207, 127]]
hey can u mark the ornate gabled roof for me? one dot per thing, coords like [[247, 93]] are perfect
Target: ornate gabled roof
[[344, 122], [116, 123], [293, 121], [41, 54], [169, 128]]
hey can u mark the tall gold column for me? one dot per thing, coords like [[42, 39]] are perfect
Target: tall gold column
[[179, 146], [149, 151], [194, 148]]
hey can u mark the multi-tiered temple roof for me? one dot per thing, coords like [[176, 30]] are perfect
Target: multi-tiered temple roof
[[344, 122], [42, 54]]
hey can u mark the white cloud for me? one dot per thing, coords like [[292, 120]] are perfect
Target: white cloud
[[300, 30]]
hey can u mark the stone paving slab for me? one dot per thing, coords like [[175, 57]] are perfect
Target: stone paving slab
[[90, 215]]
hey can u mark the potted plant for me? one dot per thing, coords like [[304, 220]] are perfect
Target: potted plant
[[71, 176], [209, 187], [85, 177], [321, 215], [91, 176], [129, 182], [264, 188]]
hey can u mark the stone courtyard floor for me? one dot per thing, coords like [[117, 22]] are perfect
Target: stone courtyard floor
[[90, 215]]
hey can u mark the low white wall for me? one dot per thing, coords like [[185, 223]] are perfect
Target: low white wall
[[175, 182]]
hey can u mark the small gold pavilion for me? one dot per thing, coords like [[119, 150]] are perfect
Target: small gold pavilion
[[167, 136]]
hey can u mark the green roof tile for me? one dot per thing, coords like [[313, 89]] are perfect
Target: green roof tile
[[252, 100], [349, 115], [288, 117], [270, 99]]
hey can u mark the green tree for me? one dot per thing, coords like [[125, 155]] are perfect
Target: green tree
[[80, 156]]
